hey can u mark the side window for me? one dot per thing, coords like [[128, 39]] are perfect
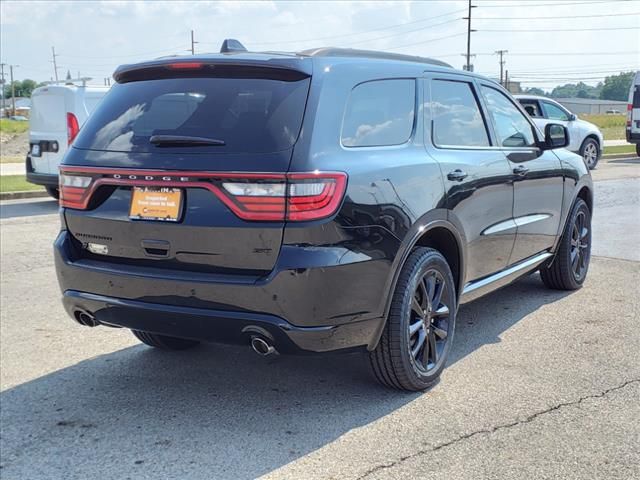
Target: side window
[[554, 112], [532, 108], [512, 127], [456, 117], [380, 113]]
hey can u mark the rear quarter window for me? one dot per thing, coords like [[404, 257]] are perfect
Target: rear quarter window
[[380, 113], [249, 115]]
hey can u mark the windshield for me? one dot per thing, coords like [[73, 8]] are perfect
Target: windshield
[[245, 115]]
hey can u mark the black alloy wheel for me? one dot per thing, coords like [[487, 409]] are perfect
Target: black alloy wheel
[[417, 337], [429, 321]]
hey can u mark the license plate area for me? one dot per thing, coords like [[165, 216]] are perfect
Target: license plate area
[[162, 204]]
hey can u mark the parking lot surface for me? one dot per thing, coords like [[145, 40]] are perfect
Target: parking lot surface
[[540, 384]]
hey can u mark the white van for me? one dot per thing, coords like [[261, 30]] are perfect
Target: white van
[[633, 113], [57, 113]]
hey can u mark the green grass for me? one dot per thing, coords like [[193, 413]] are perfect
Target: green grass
[[16, 183], [13, 127], [611, 126], [620, 149]]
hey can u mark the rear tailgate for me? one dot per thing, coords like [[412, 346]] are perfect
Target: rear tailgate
[[47, 129], [174, 206]]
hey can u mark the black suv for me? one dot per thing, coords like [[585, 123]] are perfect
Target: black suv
[[324, 200]]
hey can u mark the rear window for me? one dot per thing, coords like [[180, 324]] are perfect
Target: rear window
[[48, 113], [380, 113], [247, 115], [636, 97]]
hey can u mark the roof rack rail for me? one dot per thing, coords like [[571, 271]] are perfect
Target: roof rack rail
[[352, 52], [69, 81]]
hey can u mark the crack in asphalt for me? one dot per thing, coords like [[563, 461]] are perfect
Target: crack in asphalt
[[504, 426]]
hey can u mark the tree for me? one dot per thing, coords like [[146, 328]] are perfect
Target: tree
[[535, 91], [616, 87], [22, 88]]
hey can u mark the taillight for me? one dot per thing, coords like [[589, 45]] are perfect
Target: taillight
[[629, 114], [273, 197], [73, 189], [304, 197], [72, 127], [185, 65]]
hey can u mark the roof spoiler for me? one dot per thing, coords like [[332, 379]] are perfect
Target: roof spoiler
[[231, 45]]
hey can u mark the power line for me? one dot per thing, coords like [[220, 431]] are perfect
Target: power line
[[403, 32], [529, 54], [561, 29], [557, 4], [560, 17], [426, 41], [141, 54], [331, 37]]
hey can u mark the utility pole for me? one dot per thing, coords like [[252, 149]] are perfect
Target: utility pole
[[472, 56], [13, 88], [506, 80], [2, 75], [193, 44], [469, 30], [502, 62], [55, 65]]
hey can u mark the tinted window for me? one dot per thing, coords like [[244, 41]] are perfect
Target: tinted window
[[456, 117], [248, 115], [531, 107], [380, 113], [554, 112], [636, 97], [512, 127]]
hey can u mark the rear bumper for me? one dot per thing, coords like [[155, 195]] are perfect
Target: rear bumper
[[289, 307], [633, 137], [46, 179]]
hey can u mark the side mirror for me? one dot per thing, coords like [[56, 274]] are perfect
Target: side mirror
[[572, 117], [555, 136]]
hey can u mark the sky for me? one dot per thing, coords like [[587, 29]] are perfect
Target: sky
[[549, 42]]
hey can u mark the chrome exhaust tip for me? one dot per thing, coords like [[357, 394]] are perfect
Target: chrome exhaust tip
[[262, 347], [85, 319]]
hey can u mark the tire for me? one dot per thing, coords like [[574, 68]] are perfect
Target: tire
[[569, 267], [163, 342], [590, 153], [53, 192], [413, 316], [638, 149]]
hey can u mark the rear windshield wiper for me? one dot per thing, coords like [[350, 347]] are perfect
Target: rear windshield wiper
[[184, 141]]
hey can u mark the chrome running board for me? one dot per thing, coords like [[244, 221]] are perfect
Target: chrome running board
[[478, 288]]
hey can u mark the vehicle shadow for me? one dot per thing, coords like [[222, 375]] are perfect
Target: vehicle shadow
[[216, 411], [24, 208]]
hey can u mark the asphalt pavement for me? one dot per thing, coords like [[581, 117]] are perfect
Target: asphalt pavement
[[540, 384]]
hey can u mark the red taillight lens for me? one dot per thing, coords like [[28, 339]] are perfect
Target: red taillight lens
[[268, 197], [629, 114], [304, 197], [72, 127], [185, 65], [73, 190]]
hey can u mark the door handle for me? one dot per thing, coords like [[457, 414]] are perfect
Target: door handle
[[520, 170], [457, 175]]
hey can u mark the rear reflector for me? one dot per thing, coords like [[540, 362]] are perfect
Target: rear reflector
[[250, 196], [72, 128]]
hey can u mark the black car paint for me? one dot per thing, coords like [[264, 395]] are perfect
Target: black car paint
[[322, 285]]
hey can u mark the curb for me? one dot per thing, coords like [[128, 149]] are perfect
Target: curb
[[23, 194], [612, 156]]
